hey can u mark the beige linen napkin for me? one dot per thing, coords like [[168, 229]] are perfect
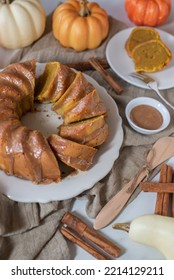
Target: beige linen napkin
[[31, 230]]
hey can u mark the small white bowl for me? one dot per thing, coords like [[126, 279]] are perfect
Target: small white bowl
[[151, 102]]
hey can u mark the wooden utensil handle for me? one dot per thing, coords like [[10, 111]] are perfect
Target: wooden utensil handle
[[117, 203]]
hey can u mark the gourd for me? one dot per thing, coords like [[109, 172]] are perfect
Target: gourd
[[80, 25], [148, 12], [21, 22], [153, 230]]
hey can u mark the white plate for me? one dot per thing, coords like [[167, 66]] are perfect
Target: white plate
[[24, 191], [123, 65]]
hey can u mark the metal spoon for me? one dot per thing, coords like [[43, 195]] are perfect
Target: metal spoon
[[162, 150]]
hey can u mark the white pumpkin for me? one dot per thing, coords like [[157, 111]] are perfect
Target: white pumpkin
[[21, 22]]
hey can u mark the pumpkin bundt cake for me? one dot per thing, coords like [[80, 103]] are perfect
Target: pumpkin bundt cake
[[17, 81], [92, 132], [78, 89], [23, 152], [12, 98], [140, 35], [151, 56], [73, 154], [54, 81], [26, 153], [89, 106]]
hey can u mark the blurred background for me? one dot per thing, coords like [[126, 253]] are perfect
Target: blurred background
[[115, 8]]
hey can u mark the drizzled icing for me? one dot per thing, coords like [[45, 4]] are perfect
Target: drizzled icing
[[71, 153], [62, 77], [17, 82]]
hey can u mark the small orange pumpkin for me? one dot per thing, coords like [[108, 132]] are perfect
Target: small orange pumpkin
[[148, 12], [80, 24]]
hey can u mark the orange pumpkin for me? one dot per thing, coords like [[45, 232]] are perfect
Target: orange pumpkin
[[148, 12], [80, 24]]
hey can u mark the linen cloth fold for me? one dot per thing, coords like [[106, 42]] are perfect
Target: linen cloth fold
[[31, 230]]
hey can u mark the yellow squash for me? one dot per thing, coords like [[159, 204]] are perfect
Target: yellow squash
[[80, 24], [21, 22]]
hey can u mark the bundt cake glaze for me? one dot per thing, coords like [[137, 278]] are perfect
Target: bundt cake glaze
[[26, 153], [78, 89], [73, 154], [92, 132], [53, 82], [89, 106], [23, 152]]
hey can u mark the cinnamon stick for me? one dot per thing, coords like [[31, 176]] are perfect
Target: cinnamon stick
[[157, 187], [82, 243], [167, 196], [172, 202], [90, 234], [86, 65], [105, 75], [164, 189], [160, 196], [165, 206]]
